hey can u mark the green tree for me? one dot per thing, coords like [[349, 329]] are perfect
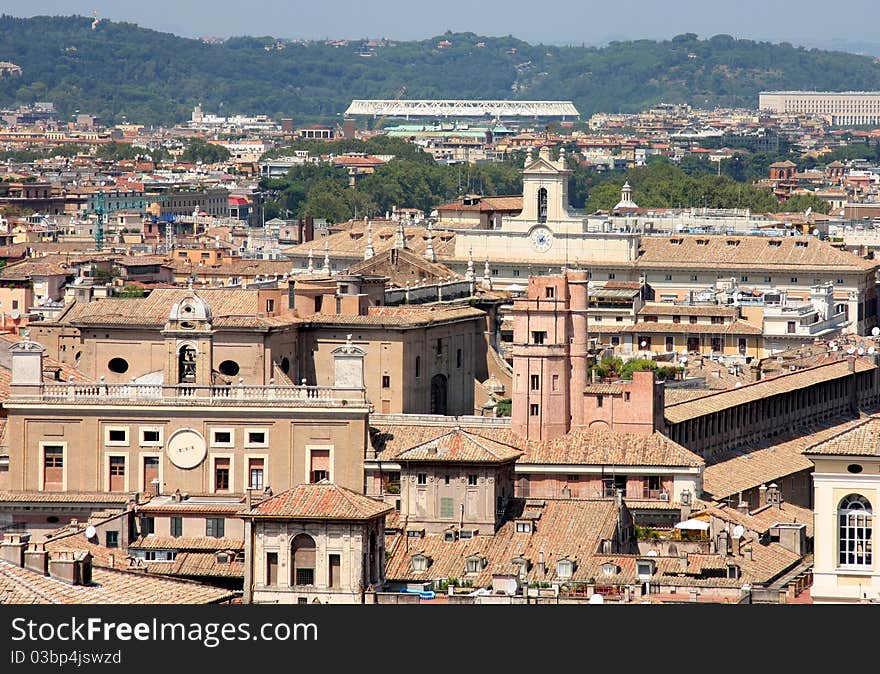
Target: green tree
[[207, 153]]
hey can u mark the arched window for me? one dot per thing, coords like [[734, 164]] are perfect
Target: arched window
[[542, 204], [186, 361], [854, 518], [302, 550]]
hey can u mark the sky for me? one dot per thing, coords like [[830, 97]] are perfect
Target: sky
[[805, 22]]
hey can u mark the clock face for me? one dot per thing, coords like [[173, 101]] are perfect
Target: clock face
[[542, 239]]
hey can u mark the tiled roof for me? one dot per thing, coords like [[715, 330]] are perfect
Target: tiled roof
[[62, 497], [748, 252], [22, 586], [319, 501], [351, 241], [721, 400], [231, 307], [195, 564], [666, 309], [615, 388], [27, 269], [185, 543], [605, 447], [569, 528], [763, 518], [859, 439], [737, 327], [429, 316], [460, 446], [763, 465]]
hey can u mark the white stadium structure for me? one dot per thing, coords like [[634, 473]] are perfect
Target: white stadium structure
[[449, 108]]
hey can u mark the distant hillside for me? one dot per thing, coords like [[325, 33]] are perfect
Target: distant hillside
[[151, 77]]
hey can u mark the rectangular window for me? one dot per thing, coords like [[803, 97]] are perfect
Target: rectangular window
[[549, 292], [335, 564], [270, 306], [221, 474], [555, 382], [791, 327], [458, 358], [422, 478], [117, 435], [386, 381], [447, 507], [717, 320], [150, 437], [744, 279], [538, 336], [53, 468], [176, 527], [439, 346], [793, 279], [626, 396], [15, 304], [534, 410], [255, 473], [148, 526], [221, 438], [599, 401], [472, 480], [516, 272], [523, 527], [670, 343], [272, 568], [668, 277], [676, 318], [692, 320], [535, 382], [611, 276], [320, 465], [256, 439], [215, 527], [302, 601], [418, 367], [111, 539], [305, 576], [117, 473]]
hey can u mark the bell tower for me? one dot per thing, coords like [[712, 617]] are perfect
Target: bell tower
[[189, 336]]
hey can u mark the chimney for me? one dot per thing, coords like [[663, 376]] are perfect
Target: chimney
[[774, 496], [683, 562], [685, 500], [762, 495], [13, 546], [743, 507], [248, 499], [721, 545], [36, 558], [72, 567], [541, 567], [747, 551]]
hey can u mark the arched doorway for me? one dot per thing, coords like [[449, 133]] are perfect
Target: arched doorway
[[186, 365], [438, 394], [302, 553]]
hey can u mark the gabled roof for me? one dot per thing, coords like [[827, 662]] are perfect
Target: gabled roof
[[861, 439], [458, 445], [321, 501]]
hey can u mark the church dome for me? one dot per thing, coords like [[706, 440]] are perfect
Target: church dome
[[190, 308]]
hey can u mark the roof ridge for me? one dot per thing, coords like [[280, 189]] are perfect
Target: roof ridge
[[861, 423], [759, 381], [476, 440]]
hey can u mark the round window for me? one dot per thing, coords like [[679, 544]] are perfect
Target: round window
[[52, 519], [854, 468], [118, 365], [229, 368]]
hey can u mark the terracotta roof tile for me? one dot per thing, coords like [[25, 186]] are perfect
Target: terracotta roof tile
[[460, 446], [319, 501], [859, 439]]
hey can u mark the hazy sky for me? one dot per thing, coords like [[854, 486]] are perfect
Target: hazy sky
[[808, 22]]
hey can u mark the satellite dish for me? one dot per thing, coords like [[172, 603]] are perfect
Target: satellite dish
[[875, 331], [721, 360], [861, 351], [652, 553], [90, 531], [738, 531], [644, 343], [737, 384], [15, 314], [815, 232], [872, 350], [684, 359], [834, 348], [851, 350], [596, 599]]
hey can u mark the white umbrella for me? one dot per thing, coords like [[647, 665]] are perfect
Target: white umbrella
[[695, 525]]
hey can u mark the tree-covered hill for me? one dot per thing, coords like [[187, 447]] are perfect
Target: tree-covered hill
[[151, 77]]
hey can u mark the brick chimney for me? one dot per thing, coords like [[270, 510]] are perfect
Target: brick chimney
[[762, 495], [72, 567], [743, 507], [36, 558], [13, 546]]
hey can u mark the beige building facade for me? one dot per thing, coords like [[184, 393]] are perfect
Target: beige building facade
[[844, 107]]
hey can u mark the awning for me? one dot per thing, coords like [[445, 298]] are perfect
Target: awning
[[696, 525]]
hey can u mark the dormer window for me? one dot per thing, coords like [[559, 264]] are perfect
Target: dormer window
[[608, 569], [449, 536], [564, 568], [644, 568], [733, 571], [474, 564], [419, 562], [523, 527]]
